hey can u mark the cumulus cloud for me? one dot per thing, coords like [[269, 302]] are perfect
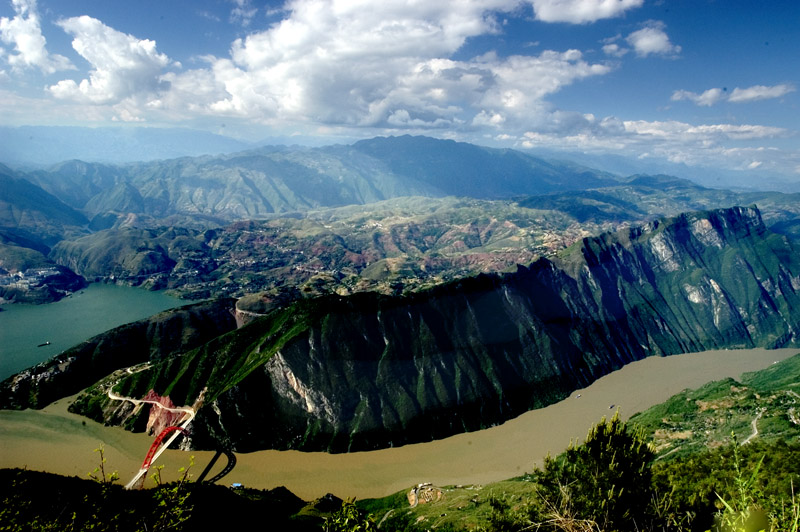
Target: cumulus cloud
[[759, 92], [707, 98], [581, 11], [652, 39], [122, 65], [750, 94], [337, 63], [24, 32]]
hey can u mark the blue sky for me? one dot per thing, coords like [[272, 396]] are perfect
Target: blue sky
[[701, 83]]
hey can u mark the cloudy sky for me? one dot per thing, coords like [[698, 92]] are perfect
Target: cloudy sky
[[700, 82]]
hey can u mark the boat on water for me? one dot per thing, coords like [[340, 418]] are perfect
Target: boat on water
[[44, 344]]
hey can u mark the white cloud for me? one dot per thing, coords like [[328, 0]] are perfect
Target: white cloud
[[24, 32], [17, 110], [614, 50], [673, 130], [707, 98], [340, 64], [750, 94], [581, 11], [652, 39], [122, 65], [243, 12], [338, 67], [720, 145], [759, 92]]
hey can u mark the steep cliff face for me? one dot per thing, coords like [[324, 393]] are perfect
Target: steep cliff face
[[368, 371], [476, 353]]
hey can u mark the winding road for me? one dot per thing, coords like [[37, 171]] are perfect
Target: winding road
[[755, 426]]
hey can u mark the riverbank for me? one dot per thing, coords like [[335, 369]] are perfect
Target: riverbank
[[55, 440]]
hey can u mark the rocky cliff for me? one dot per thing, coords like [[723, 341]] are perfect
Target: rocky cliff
[[369, 371]]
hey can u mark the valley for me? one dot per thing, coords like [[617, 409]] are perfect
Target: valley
[[52, 439], [398, 311], [365, 371], [486, 266], [346, 317]]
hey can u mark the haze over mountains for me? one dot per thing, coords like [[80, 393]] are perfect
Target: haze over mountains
[[38, 146], [33, 147], [255, 183], [148, 223]]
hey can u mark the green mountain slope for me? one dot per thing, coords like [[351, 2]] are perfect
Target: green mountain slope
[[32, 220], [29, 212], [165, 335]]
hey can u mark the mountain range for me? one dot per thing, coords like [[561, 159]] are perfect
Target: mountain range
[[378, 215]]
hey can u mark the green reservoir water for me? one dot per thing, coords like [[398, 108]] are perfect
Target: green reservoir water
[[65, 323]]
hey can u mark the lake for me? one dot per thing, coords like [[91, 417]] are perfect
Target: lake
[[84, 314], [54, 440]]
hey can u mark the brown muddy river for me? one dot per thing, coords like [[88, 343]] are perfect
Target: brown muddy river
[[55, 440]]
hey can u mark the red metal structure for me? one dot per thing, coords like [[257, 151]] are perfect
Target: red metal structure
[[156, 444]]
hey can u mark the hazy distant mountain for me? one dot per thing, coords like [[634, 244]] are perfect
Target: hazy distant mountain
[[462, 169], [40, 145], [760, 180], [264, 181], [31, 213]]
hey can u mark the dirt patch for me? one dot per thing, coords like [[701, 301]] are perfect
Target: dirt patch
[[715, 405], [662, 434]]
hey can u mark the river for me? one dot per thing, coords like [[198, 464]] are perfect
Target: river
[[54, 440], [96, 309]]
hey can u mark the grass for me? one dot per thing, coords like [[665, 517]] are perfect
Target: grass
[[461, 506]]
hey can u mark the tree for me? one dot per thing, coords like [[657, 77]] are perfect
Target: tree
[[607, 479]]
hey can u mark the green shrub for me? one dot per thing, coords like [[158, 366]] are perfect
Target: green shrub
[[349, 518], [606, 480]]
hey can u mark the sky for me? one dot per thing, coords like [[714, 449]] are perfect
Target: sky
[[697, 82]]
